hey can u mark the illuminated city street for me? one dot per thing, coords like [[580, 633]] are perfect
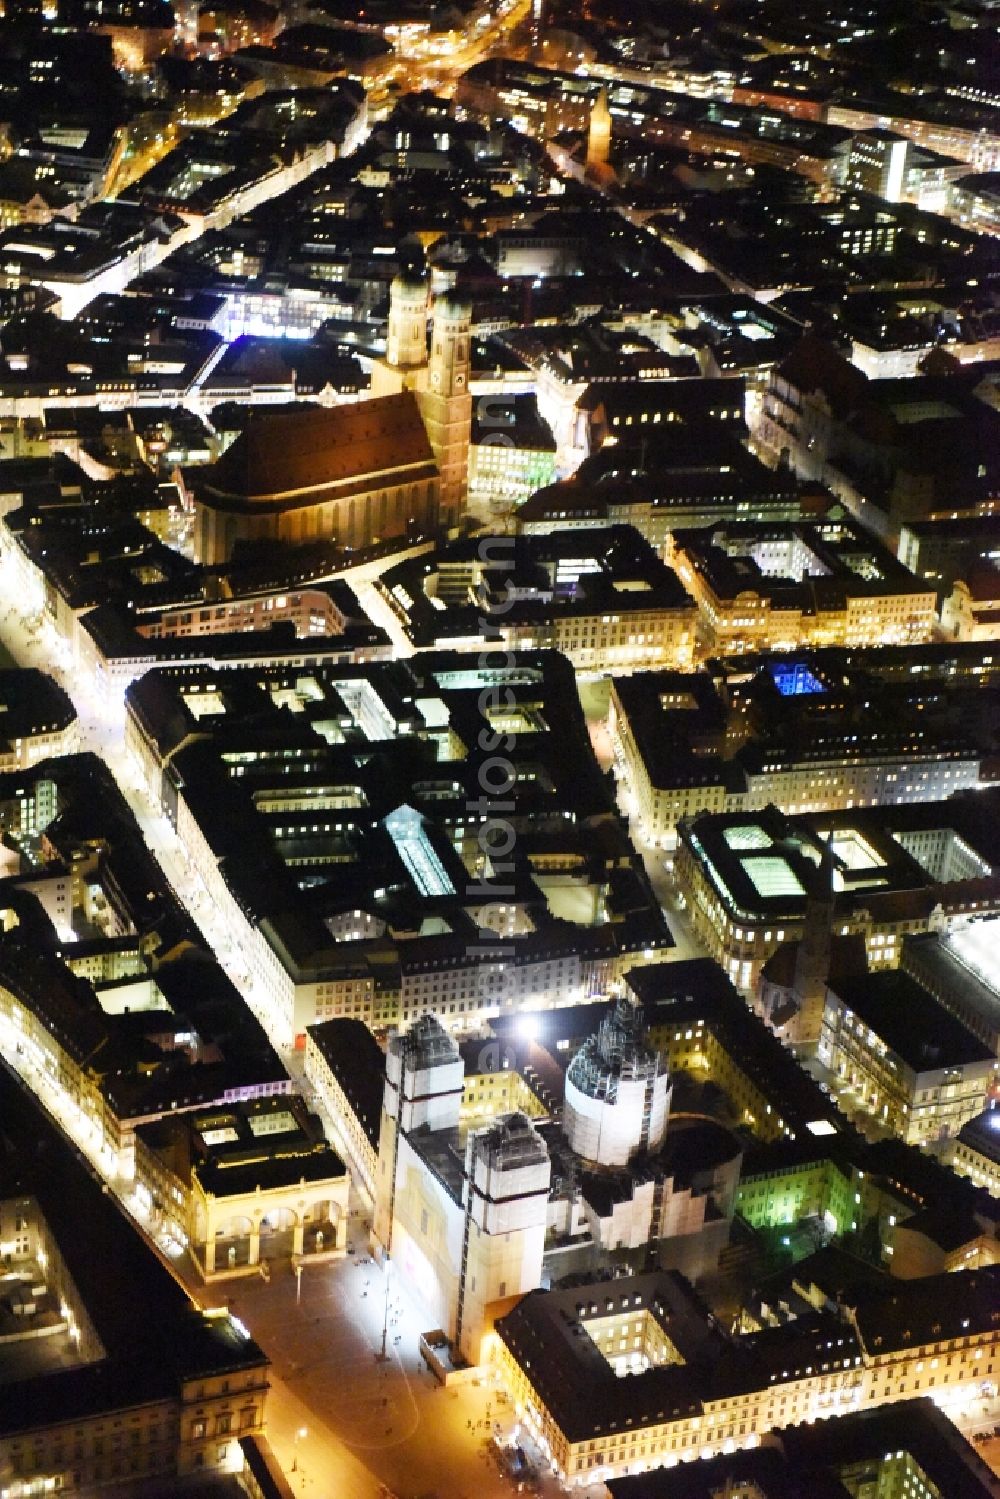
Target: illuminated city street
[[499, 743], [367, 1424]]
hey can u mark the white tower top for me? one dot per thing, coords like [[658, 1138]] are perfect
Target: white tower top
[[617, 1092], [424, 1077]]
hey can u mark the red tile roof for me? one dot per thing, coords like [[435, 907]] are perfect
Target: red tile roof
[[283, 455]]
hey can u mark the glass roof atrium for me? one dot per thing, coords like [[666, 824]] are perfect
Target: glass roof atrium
[[746, 836], [406, 829], [772, 876], [855, 852]]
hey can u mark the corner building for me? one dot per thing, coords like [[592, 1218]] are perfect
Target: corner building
[[144, 1391], [563, 1355]]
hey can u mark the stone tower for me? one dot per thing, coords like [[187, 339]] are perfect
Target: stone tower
[[505, 1206], [446, 402], [618, 1090], [440, 382], [404, 364], [599, 134], [423, 1089], [812, 957], [406, 341]]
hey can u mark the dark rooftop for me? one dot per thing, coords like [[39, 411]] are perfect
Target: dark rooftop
[[118, 1280], [910, 1021], [358, 1063]]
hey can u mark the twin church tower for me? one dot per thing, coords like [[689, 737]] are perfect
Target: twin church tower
[[439, 380], [392, 465]]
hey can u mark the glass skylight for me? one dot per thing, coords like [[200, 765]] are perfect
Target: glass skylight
[[773, 876], [748, 835], [856, 852], [406, 829]]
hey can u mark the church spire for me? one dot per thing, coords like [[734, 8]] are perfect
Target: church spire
[[812, 958], [599, 133]]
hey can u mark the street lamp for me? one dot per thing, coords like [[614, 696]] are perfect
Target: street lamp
[[302, 1432], [382, 1355]]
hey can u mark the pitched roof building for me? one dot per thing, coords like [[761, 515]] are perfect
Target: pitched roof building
[[356, 473]]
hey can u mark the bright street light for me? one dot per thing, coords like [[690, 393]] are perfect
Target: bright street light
[[300, 1435]]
